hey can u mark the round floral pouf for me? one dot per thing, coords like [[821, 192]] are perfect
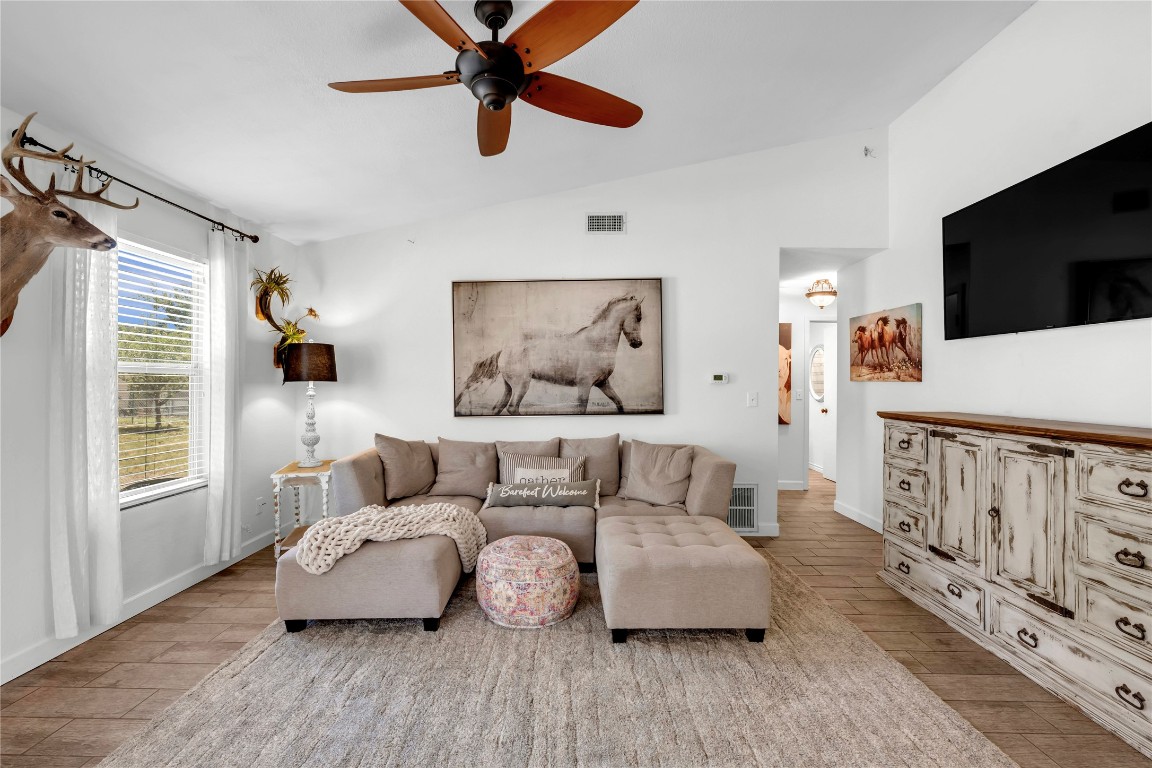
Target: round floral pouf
[[527, 581]]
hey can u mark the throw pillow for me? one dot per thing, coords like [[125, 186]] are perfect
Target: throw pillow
[[464, 469], [522, 468], [583, 494], [658, 474], [408, 467], [603, 459]]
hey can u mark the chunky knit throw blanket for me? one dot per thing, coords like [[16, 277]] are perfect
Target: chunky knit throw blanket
[[330, 539]]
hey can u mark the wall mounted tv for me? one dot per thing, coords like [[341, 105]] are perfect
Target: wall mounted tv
[[1069, 246]]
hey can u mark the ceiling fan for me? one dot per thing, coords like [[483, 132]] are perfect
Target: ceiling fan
[[498, 73]]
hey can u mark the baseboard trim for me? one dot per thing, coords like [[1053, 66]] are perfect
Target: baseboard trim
[[22, 661], [182, 581], [816, 467], [792, 485], [859, 516]]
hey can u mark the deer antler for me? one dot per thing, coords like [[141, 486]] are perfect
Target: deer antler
[[15, 150]]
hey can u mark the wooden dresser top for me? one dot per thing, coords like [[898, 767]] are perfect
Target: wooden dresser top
[[1102, 434]]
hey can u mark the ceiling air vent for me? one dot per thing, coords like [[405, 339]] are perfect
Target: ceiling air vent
[[607, 224]]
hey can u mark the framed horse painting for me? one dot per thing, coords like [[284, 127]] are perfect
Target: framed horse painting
[[887, 345], [557, 347]]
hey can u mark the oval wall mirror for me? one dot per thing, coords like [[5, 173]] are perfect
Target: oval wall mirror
[[816, 373]]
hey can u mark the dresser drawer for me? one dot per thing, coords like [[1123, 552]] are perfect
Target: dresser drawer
[[957, 595], [1126, 692], [906, 483], [1115, 548], [1116, 479], [904, 441], [1123, 620], [902, 522]]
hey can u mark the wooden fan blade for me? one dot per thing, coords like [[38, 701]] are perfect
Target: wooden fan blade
[[492, 129], [561, 27], [397, 83], [433, 15], [573, 99]]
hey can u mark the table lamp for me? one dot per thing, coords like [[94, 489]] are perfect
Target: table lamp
[[310, 362]]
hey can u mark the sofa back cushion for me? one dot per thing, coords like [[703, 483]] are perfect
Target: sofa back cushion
[[408, 467], [464, 468], [603, 462], [530, 447], [658, 474], [522, 468]]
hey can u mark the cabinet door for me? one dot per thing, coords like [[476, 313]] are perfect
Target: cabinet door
[[1027, 530], [960, 500]]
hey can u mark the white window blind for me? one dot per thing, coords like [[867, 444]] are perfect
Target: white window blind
[[162, 356]]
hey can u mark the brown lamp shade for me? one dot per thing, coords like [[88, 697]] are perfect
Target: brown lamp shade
[[309, 362]]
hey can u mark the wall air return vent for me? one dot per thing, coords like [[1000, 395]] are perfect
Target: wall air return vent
[[607, 224], [742, 508]]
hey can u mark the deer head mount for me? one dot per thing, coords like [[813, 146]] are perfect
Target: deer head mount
[[40, 222]]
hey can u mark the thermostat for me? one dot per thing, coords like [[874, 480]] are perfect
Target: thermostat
[[719, 378]]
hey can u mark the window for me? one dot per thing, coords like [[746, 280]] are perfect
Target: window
[[162, 356]]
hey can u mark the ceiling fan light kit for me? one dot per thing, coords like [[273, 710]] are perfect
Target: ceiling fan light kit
[[498, 73]]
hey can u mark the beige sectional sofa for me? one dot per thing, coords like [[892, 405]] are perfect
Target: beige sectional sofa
[[358, 481], [666, 557]]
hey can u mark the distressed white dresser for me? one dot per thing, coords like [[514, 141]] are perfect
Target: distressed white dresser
[[1033, 538]]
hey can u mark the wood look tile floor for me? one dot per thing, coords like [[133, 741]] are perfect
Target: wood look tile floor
[[78, 707]]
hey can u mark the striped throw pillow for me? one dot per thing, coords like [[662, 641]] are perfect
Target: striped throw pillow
[[523, 468]]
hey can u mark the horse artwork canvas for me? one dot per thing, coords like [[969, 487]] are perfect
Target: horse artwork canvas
[[886, 345], [557, 347]]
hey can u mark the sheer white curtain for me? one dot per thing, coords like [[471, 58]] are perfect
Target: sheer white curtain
[[228, 291], [84, 486]]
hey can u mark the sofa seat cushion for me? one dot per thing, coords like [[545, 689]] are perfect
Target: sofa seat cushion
[[614, 506], [575, 526], [687, 571], [404, 579], [470, 503]]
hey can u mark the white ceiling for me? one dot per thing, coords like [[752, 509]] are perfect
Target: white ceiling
[[229, 99], [800, 267]]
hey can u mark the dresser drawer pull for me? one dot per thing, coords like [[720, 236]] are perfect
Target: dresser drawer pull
[[994, 512], [1130, 559], [1027, 638], [1134, 700], [942, 434], [904, 485], [1126, 483], [955, 591], [905, 526], [1139, 633], [903, 567], [905, 444]]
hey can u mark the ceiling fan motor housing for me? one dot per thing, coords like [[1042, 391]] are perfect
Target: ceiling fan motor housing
[[493, 14], [495, 81]]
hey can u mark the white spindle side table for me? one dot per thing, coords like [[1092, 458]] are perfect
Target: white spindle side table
[[295, 476]]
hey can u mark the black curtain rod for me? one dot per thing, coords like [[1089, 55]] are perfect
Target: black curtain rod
[[103, 176]]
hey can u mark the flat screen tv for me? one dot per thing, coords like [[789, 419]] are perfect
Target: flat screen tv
[[1069, 246]]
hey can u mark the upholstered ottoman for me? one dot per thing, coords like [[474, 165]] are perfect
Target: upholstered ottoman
[[680, 572], [527, 581], [404, 579]]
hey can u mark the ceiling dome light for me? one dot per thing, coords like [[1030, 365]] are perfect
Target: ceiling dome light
[[821, 293]]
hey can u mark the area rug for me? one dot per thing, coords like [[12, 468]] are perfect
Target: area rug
[[817, 692]]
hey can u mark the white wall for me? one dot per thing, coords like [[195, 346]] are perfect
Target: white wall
[[792, 461], [822, 437], [1061, 79], [711, 231], [162, 541]]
